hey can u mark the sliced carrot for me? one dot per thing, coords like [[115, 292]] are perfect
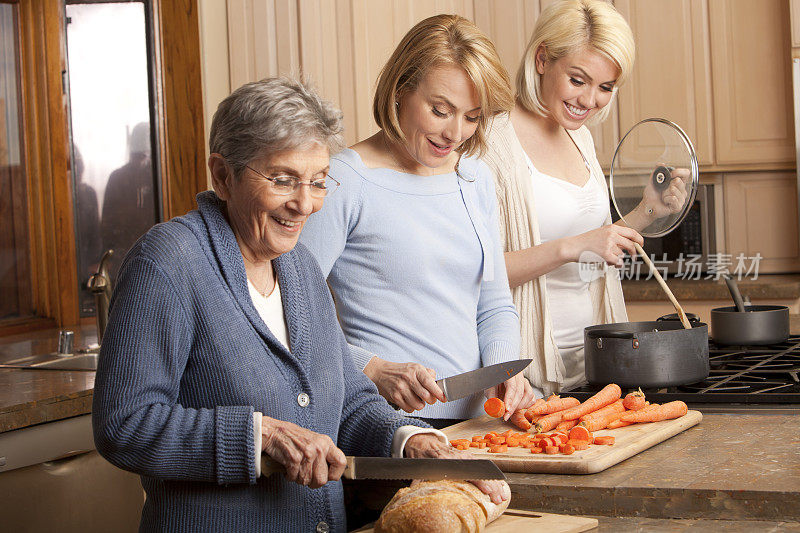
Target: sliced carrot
[[604, 439], [551, 450], [512, 441], [536, 449], [568, 449], [497, 440], [462, 447], [562, 438], [482, 445], [494, 407], [498, 448], [580, 433], [579, 444]]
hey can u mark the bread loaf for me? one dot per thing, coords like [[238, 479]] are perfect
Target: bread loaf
[[440, 506]]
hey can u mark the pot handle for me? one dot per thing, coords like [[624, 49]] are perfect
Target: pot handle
[[609, 334]]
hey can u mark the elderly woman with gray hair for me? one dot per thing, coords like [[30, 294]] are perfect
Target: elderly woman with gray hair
[[223, 343]]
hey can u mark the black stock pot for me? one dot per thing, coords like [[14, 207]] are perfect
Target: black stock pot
[[646, 354]]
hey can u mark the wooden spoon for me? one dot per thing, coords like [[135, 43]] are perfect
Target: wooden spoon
[[657, 275]]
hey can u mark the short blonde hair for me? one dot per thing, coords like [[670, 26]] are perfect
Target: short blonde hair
[[566, 27], [434, 42]]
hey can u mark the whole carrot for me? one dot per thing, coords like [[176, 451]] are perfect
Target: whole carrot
[[594, 423], [634, 400], [618, 424], [609, 394], [552, 405], [548, 422], [566, 425], [668, 411], [519, 420], [611, 408], [532, 411]]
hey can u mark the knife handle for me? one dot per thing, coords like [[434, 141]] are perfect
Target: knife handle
[[270, 466], [442, 385]]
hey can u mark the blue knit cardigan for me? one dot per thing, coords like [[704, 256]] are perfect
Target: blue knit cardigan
[[185, 361]]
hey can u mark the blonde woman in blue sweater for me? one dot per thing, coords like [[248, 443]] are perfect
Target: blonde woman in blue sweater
[[410, 244], [222, 342]]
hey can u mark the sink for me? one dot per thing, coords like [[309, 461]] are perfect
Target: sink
[[86, 361], [79, 361]]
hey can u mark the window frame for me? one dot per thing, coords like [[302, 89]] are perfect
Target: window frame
[[178, 102]]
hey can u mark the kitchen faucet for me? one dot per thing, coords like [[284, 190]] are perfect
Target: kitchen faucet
[[100, 285]]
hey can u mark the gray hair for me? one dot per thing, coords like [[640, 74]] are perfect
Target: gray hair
[[273, 115]]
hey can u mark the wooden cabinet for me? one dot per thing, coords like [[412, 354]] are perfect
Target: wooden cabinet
[[751, 66], [761, 218], [672, 75]]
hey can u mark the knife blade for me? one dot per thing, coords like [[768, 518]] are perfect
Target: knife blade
[[404, 468], [468, 383]]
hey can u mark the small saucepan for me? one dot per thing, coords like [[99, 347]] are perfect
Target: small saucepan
[[749, 324], [756, 325]]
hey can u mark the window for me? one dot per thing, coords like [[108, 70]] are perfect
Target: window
[[45, 257], [114, 177]]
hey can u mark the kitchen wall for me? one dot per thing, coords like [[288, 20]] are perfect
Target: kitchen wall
[[719, 68]]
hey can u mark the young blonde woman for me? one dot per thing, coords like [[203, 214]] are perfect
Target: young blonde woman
[[553, 198], [410, 244]]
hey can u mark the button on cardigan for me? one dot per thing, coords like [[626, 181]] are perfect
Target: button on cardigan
[[185, 362]]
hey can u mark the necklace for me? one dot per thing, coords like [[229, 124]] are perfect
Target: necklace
[[252, 270], [408, 171]]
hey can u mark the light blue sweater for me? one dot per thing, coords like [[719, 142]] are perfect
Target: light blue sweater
[[417, 270], [185, 361]]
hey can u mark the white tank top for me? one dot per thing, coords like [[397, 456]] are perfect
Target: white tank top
[[565, 210]]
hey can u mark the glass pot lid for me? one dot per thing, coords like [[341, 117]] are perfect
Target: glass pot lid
[[654, 177]]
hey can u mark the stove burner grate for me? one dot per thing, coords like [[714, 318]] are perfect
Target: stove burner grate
[[739, 374]]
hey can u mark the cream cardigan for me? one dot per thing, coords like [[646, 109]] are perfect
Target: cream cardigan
[[519, 229]]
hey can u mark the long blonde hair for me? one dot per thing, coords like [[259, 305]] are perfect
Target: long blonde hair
[[568, 26], [433, 42]]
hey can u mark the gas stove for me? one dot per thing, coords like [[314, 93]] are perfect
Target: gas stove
[[764, 378]]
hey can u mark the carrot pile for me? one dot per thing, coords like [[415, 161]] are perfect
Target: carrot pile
[[565, 425]]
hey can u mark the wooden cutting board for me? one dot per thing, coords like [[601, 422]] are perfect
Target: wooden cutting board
[[514, 521], [629, 441]]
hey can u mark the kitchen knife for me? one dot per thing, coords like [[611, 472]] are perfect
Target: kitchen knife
[[468, 383], [403, 468]]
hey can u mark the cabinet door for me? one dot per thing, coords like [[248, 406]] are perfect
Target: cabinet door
[[761, 218], [751, 65], [672, 76]]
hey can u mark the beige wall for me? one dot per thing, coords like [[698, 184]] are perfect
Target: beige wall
[[340, 44]]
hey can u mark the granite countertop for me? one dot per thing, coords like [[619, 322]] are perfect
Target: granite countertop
[[29, 397], [728, 467], [738, 471], [765, 287]]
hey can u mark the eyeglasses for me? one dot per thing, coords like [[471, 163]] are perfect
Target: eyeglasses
[[285, 185]]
